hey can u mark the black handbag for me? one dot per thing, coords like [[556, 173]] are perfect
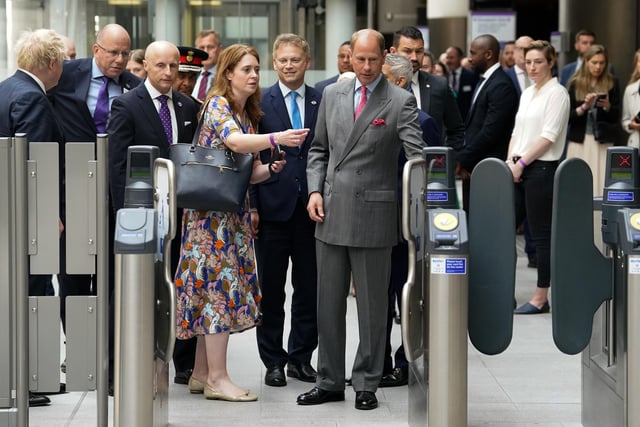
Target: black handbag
[[210, 178]]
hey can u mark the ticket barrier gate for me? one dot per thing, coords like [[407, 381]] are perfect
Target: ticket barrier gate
[[596, 305], [30, 244], [144, 293], [445, 270]]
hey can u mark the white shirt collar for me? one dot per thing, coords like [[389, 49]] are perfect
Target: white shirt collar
[[285, 90], [34, 77], [154, 93]]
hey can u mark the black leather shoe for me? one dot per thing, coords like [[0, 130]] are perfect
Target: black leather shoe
[[304, 373], [316, 396], [366, 400], [182, 377], [275, 377], [38, 400], [397, 377]]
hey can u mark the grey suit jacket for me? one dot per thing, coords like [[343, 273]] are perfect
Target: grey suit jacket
[[354, 164]]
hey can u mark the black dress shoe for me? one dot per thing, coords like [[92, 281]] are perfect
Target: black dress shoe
[[397, 377], [366, 400], [182, 377], [304, 373], [316, 396], [275, 377], [38, 400]]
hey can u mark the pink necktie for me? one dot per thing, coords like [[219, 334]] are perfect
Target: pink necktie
[[363, 101]]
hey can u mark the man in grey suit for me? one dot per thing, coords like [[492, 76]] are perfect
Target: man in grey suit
[[352, 173]]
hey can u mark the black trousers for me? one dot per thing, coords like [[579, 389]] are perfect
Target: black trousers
[[276, 243], [534, 199], [399, 271]]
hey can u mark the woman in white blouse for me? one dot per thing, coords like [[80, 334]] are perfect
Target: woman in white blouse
[[537, 143], [631, 105]]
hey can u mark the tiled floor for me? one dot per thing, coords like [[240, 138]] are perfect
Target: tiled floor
[[530, 384]]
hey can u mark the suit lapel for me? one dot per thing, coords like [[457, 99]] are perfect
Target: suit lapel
[[178, 107], [151, 113], [376, 102], [279, 106], [425, 91]]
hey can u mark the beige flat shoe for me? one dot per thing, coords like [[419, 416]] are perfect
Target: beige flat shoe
[[212, 394], [195, 386]]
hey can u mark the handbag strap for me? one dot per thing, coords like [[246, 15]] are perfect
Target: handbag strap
[[196, 135]]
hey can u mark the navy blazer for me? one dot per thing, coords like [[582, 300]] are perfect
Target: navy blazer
[[437, 100], [511, 72], [135, 121], [567, 72], [276, 197], [466, 86], [490, 121], [25, 108], [324, 83], [70, 99]]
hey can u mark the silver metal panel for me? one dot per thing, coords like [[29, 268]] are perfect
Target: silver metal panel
[[8, 417], [414, 293], [448, 316], [43, 208], [81, 343], [633, 344], [161, 393], [80, 195], [134, 369], [418, 392], [44, 344], [601, 406], [7, 322]]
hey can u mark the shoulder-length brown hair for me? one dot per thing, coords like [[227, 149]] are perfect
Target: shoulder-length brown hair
[[227, 61], [582, 78], [635, 74]]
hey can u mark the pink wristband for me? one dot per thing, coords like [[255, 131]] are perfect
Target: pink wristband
[[522, 163], [272, 140]]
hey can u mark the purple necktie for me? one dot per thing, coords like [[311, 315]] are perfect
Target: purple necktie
[[101, 113], [204, 82], [165, 117]]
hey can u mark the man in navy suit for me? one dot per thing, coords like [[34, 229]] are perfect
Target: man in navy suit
[[584, 40], [26, 109], [75, 99], [462, 81], [492, 113], [344, 65], [285, 229], [136, 116], [432, 92], [518, 73]]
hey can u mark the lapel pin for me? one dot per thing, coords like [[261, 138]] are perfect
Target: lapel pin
[[179, 104], [314, 102]]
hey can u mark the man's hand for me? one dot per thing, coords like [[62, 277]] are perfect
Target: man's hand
[[315, 207]]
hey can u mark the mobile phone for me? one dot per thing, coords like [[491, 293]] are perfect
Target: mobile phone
[[637, 117], [601, 96], [276, 153]]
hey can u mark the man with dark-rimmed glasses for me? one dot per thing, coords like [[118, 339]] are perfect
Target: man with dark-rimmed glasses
[[82, 102]]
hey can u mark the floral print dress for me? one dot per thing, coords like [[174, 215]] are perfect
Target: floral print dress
[[216, 280]]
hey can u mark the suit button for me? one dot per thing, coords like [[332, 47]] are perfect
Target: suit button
[[300, 158], [359, 172], [357, 194]]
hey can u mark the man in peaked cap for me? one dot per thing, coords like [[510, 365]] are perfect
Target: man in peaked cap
[[191, 62]]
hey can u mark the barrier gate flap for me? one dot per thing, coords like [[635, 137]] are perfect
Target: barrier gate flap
[[492, 256], [580, 275]]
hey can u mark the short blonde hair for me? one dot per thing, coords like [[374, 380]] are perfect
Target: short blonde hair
[[35, 50]]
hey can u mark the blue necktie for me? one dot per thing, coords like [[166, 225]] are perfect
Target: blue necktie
[[296, 121], [101, 113], [165, 117]]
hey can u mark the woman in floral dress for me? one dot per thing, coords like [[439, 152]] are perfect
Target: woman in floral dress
[[216, 280]]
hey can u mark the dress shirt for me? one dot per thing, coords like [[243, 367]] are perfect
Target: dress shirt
[[543, 113], [370, 88], [211, 76], [286, 94], [154, 93], [115, 89], [522, 78], [487, 74], [415, 88], [630, 108]]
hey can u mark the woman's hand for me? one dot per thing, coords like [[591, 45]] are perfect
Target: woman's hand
[[589, 99], [516, 170], [291, 137]]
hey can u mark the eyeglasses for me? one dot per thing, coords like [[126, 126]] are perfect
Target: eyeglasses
[[115, 53]]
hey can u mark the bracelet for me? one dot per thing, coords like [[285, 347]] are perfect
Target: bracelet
[[272, 140], [522, 163], [581, 108]]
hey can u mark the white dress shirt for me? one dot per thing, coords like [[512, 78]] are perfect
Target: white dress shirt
[[630, 108]]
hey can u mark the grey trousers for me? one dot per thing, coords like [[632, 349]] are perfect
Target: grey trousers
[[370, 268]]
